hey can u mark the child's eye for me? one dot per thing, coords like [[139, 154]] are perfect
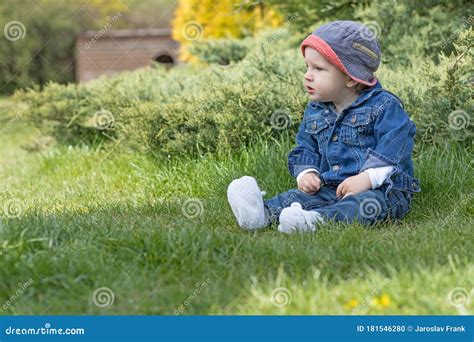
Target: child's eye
[[314, 67]]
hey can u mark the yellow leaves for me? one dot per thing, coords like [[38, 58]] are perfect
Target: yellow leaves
[[108, 6], [219, 19]]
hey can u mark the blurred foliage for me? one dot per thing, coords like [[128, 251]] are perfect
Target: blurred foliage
[[221, 51], [311, 13], [44, 50], [250, 87], [405, 28], [193, 110], [208, 19]]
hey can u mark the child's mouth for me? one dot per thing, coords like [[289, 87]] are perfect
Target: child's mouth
[[310, 90]]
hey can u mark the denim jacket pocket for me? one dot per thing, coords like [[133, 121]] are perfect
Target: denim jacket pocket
[[317, 126], [356, 128]]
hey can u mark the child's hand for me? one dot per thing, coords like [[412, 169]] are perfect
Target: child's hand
[[353, 185], [309, 183]]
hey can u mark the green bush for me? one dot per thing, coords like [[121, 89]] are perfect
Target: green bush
[[186, 110], [195, 109], [438, 96], [422, 29], [221, 51]]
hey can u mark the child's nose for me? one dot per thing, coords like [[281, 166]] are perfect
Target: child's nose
[[308, 77]]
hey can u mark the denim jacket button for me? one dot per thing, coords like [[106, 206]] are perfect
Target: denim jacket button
[[314, 125], [334, 138], [354, 119], [326, 111], [335, 167]]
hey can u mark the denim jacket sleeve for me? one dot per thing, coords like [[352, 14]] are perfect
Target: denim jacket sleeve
[[306, 153], [394, 133]]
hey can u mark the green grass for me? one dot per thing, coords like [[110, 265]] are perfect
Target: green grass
[[89, 219]]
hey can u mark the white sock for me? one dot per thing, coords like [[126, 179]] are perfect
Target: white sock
[[246, 201], [295, 219]]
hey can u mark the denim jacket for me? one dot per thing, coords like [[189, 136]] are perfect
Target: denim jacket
[[373, 131]]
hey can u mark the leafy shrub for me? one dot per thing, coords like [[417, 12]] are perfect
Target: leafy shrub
[[221, 51], [438, 96], [194, 110], [195, 20]]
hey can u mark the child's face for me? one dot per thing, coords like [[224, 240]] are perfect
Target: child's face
[[323, 81]]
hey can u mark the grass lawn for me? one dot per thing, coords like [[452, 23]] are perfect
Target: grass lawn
[[102, 232]]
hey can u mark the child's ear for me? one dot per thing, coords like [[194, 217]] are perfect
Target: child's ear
[[351, 83]]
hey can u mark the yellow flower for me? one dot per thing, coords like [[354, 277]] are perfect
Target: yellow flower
[[382, 302], [351, 304], [385, 301]]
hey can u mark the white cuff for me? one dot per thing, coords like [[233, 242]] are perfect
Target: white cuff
[[302, 173], [378, 175]]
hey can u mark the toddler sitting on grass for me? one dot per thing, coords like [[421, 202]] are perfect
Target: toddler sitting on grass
[[352, 160]]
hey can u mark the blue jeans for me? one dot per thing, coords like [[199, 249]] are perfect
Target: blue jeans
[[366, 207]]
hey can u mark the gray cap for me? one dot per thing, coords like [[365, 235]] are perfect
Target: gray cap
[[351, 46]]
